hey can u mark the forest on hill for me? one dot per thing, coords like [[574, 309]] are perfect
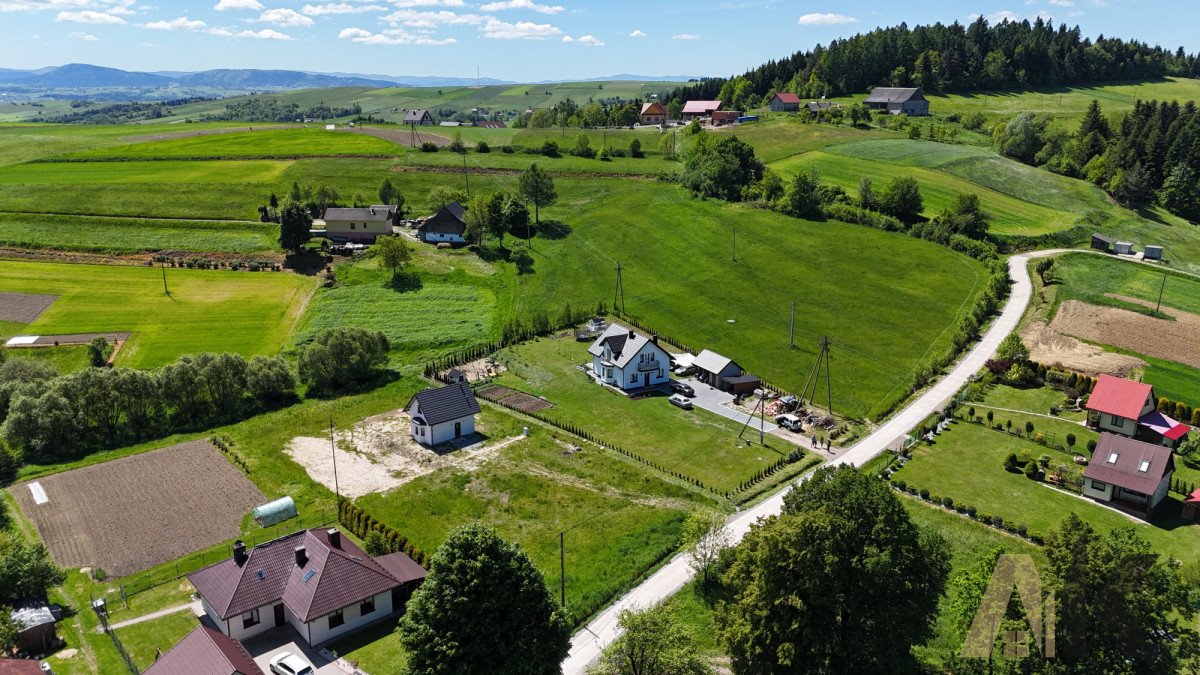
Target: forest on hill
[[949, 58]]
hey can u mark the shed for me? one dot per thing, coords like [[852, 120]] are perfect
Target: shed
[[275, 512], [1191, 505], [720, 117], [419, 117], [1123, 248], [896, 100], [36, 622], [742, 384], [447, 225], [454, 376], [1101, 242], [1153, 252], [713, 369]]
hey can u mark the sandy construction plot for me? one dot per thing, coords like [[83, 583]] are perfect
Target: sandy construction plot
[[1177, 340], [379, 454], [139, 511], [23, 307], [1055, 349]]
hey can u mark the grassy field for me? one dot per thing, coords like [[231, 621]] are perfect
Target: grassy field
[[1035, 400], [118, 173], [966, 464], [135, 235], [65, 359], [243, 312], [142, 640], [376, 650], [262, 143], [696, 443]]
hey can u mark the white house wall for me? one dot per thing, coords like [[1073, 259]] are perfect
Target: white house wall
[[266, 621], [1117, 425], [1103, 495], [321, 632], [1163, 486], [445, 236]]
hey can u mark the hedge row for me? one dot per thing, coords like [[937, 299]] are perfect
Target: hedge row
[[791, 458], [360, 523], [968, 511], [225, 445]]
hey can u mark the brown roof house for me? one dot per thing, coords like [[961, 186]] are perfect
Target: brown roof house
[[1129, 474], [205, 651], [315, 581], [896, 100], [360, 224], [448, 224], [653, 113]]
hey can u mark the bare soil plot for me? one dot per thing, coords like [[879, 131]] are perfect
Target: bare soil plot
[[1050, 347], [23, 307], [139, 511], [378, 454], [402, 136], [514, 399], [481, 369], [1177, 340]]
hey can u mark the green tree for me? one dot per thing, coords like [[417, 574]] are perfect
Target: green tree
[[393, 252], [1012, 349], [1180, 193], [295, 227], [390, 194], [374, 544], [537, 188], [10, 630], [1045, 269], [902, 199], [456, 143], [805, 585], [801, 199], [635, 149], [583, 146], [442, 195], [269, 379], [27, 571], [721, 168], [521, 256], [484, 608], [342, 357], [497, 218], [866, 195], [98, 351], [477, 215], [705, 534], [652, 643]]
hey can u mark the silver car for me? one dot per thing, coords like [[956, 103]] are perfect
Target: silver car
[[681, 401]]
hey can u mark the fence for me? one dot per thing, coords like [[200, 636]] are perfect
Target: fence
[[102, 614]]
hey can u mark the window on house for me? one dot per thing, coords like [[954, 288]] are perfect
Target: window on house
[[1144, 466], [660, 372], [632, 378], [250, 618], [336, 619], [352, 226], [1112, 458], [367, 606], [1097, 485]]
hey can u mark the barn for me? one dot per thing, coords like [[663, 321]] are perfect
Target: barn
[[896, 100], [785, 102]]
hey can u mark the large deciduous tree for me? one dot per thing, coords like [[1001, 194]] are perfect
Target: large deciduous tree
[[342, 357], [902, 199], [484, 608], [537, 187], [393, 253], [295, 226], [653, 643], [721, 168]]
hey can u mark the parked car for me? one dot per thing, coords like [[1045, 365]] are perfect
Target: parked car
[[681, 401], [682, 388], [684, 371], [287, 663], [789, 422]]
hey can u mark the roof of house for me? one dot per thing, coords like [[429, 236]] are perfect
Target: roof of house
[[1164, 425], [654, 106], [819, 105], [1101, 237], [1193, 498], [1117, 396], [895, 95], [451, 402], [623, 342], [20, 667], [331, 577], [1129, 464], [491, 124], [787, 97], [377, 213], [700, 107], [416, 115], [743, 379], [205, 651], [33, 615], [711, 361]]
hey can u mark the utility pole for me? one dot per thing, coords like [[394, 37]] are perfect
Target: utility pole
[[562, 569], [333, 452], [814, 377], [792, 331], [619, 291], [1160, 292]]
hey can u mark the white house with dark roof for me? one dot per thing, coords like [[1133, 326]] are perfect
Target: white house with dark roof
[[359, 224], [1129, 473], [444, 414], [628, 360], [317, 581]]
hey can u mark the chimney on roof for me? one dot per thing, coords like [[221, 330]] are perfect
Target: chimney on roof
[[630, 333], [301, 556], [335, 537], [239, 552], [654, 337]]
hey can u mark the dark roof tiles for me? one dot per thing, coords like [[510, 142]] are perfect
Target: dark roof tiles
[[451, 402], [205, 651]]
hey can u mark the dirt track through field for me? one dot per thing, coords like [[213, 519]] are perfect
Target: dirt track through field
[[401, 136], [1177, 340], [135, 512], [23, 307]]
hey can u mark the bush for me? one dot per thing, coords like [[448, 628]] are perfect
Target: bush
[[900, 485], [550, 149], [971, 511], [342, 357], [482, 148], [947, 502], [924, 494], [429, 147], [1044, 461], [507, 149], [1091, 445], [1031, 469], [635, 149], [1021, 530], [1010, 462], [997, 521]]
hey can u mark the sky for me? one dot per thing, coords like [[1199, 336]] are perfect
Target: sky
[[520, 40]]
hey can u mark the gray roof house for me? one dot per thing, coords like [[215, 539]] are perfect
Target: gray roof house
[[418, 117], [1129, 473], [205, 651], [714, 370], [449, 224], [360, 224], [443, 414], [625, 359], [896, 100]]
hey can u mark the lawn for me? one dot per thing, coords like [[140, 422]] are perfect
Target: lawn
[[780, 137], [142, 640], [242, 312], [1034, 400], [650, 165], [696, 443], [135, 235], [966, 464], [65, 359], [117, 173], [619, 518], [262, 144], [376, 650]]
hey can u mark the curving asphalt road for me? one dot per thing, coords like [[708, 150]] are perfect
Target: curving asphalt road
[[587, 644]]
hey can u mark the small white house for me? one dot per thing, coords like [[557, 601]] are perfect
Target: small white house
[[448, 224], [441, 415], [628, 360], [1129, 473]]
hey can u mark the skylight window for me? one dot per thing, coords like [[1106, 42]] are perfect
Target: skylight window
[[308, 575], [261, 575], [1112, 458], [1144, 466]]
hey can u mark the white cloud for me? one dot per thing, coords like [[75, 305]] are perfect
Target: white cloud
[[89, 16], [590, 40], [637, 33], [425, 19], [182, 23], [825, 19], [391, 36], [1062, 3], [501, 5], [224, 5], [264, 34], [340, 8], [86, 37], [427, 3], [285, 17], [568, 38], [521, 30], [685, 36]]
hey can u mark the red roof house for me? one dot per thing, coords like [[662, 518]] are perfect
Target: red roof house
[[700, 108], [1129, 473], [1128, 408], [205, 651], [785, 102], [653, 113]]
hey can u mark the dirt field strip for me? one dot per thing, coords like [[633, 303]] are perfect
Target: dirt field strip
[[512, 398], [378, 454], [1050, 347], [1177, 340], [203, 132], [135, 512], [401, 136], [23, 307]]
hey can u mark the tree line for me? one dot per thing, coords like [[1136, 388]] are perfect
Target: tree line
[[271, 110], [948, 58], [1151, 154]]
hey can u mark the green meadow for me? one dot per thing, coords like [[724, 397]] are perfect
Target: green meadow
[[134, 235], [243, 312], [251, 144]]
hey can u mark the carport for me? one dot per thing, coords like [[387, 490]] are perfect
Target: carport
[[742, 384]]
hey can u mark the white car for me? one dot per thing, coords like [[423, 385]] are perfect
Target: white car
[[287, 663], [681, 401]]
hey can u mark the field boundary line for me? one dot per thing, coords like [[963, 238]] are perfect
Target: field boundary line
[[126, 217]]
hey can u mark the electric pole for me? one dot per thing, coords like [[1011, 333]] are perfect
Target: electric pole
[[1161, 288], [619, 292], [814, 377]]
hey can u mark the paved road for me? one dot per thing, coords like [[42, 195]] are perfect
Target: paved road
[[587, 644]]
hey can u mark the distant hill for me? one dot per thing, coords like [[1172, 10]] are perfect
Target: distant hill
[[80, 75], [277, 79]]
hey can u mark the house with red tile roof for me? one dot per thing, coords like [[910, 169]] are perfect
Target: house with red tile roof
[[1127, 408], [1129, 474], [317, 581], [205, 651], [785, 102]]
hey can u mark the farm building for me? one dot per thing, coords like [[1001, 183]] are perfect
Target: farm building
[[360, 224], [316, 581], [785, 102], [444, 414], [819, 107], [205, 650], [35, 622], [653, 113], [1152, 252], [418, 117], [455, 376], [1101, 242], [629, 360], [1129, 473], [723, 117], [896, 100], [694, 109], [490, 124], [1127, 408], [713, 369], [447, 224]]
